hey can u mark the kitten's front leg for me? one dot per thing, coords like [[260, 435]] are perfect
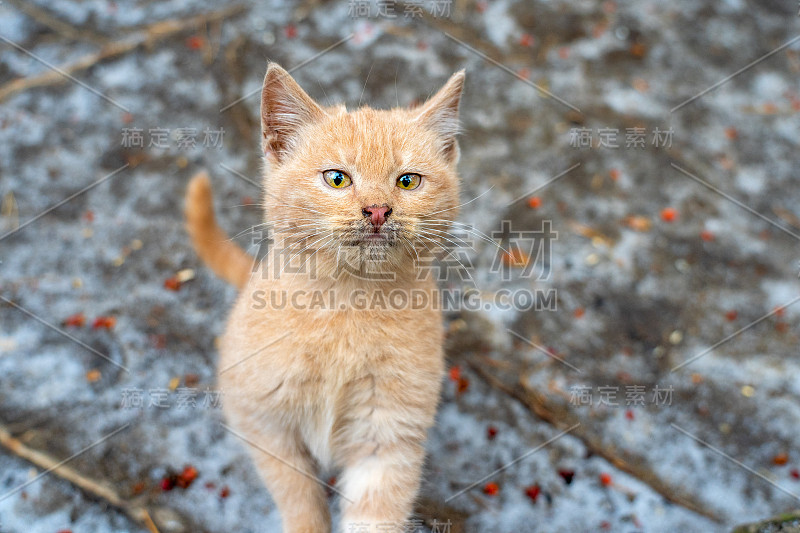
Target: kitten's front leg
[[290, 474], [379, 489]]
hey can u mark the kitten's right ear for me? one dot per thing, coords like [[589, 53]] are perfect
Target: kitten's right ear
[[285, 108], [440, 114]]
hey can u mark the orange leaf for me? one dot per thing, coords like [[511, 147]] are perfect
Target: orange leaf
[[77, 320], [638, 223], [104, 322], [172, 284], [515, 258]]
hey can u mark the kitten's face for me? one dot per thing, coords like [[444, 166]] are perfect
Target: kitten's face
[[363, 182]]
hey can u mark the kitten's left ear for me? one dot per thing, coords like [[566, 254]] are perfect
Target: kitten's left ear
[[440, 114]]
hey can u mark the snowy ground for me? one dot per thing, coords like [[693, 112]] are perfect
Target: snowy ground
[[665, 252]]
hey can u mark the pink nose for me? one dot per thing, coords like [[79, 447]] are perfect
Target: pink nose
[[377, 215]]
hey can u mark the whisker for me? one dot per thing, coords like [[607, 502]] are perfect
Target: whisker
[[462, 205], [365, 84], [293, 232], [330, 238], [471, 229], [289, 262], [454, 257], [252, 229], [443, 235]]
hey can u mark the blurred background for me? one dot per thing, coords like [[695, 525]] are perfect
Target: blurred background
[[636, 162]]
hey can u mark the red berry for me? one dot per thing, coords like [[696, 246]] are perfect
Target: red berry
[[669, 214], [795, 473], [533, 492], [291, 31], [731, 315], [455, 373], [189, 474], [567, 475], [629, 414], [526, 39], [707, 236], [491, 432], [224, 492], [491, 488], [605, 479], [167, 484], [195, 42], [534, 202], [463, 385]]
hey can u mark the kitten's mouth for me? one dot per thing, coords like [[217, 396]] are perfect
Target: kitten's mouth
[[375, 238]]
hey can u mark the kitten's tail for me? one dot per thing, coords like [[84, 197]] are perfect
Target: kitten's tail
[[223, 256]]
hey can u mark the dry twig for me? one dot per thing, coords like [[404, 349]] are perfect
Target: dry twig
[[94, 488], [146, 37], [62, 28]]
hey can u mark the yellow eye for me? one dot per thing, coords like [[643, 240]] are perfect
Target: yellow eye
[[409, 181], [337, 179]]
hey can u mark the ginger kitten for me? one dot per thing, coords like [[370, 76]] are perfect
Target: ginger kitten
[[360, 196]]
